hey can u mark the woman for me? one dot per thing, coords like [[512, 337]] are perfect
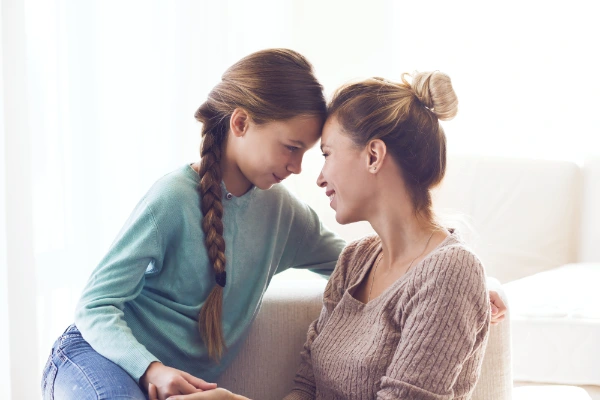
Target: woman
[[406, 312]]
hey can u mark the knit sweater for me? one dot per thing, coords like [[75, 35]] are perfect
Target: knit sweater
[[142, 301], [423, 338]]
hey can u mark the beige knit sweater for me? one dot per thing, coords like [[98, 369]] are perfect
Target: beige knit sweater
[[422, 338]]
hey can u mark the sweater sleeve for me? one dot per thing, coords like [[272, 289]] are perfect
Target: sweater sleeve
[[305, 385], [446, 321], [319, 248], [118, 278]]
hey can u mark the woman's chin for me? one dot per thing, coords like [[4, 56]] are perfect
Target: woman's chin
[[342, 219]]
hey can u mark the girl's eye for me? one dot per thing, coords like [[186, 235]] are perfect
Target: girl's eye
[[292, 148], [325, 155]]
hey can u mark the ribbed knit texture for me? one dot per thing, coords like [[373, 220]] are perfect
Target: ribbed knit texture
[[423, 338], [142, 301]]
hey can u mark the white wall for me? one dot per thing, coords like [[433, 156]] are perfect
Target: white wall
[[19, 264], [4, 326]]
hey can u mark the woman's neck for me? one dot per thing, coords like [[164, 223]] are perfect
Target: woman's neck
[[404, 236]]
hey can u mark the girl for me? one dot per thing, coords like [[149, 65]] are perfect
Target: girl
[[406, 313], [174, 296]]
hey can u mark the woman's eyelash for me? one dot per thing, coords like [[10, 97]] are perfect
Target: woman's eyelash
[[325, 155]]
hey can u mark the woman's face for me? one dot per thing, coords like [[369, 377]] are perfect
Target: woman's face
[[270, 152], [345, 174]]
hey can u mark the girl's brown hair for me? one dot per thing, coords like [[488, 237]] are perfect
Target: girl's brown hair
[[405, 116], [270, 85]]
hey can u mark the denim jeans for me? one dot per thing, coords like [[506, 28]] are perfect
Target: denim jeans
[[75, 371]]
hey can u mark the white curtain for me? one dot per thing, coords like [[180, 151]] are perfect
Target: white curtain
[[108, 90]]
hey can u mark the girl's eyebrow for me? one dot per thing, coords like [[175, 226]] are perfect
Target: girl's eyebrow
[[298, 142]]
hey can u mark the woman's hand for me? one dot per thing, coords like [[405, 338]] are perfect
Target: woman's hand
[[166, 381], [214, 394], [498, 308]]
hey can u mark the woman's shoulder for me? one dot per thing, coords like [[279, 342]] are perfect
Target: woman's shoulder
[[357, 253], [454, 262]]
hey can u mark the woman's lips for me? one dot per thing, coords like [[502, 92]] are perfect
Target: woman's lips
[[277, 179], [330, 194]]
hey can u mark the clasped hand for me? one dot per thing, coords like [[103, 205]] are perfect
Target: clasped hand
[[166, 383]]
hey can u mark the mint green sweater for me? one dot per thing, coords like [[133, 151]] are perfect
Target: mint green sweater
[[142, 301]]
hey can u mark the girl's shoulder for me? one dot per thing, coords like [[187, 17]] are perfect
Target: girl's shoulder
[[175, 187]]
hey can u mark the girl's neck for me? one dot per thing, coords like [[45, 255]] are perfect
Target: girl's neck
[[235, 181]]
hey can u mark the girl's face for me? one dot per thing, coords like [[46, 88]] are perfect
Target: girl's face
[[270, 152], [345, 174]]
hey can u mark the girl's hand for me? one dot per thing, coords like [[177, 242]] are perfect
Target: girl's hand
[[166, 381], [498, 308], [214, 394]]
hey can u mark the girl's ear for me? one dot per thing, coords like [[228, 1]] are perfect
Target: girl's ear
[[376, 152], [239, 122]]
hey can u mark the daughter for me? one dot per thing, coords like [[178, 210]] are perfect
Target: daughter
[[172, 300]]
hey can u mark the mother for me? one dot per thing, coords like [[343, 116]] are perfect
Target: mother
[[406, 312]]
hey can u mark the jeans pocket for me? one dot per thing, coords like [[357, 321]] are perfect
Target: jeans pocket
[[48, 377]]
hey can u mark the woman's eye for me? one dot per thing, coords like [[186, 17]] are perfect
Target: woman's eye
[[325, 155], [292, 148]]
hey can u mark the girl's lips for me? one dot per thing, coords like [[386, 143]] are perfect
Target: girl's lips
[[278, 179]]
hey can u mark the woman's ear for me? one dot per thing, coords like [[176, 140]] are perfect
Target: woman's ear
[[376, 152], [239, 122]]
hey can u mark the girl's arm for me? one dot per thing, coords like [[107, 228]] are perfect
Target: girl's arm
[[118, 278], [318, 248]]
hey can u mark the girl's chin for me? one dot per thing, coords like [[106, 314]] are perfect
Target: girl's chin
[[264, 185]]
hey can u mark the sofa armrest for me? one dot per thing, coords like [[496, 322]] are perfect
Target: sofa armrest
[[266, 365], [495, 381]]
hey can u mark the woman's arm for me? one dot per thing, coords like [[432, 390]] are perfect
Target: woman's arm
[[305, 388], [446, 324]]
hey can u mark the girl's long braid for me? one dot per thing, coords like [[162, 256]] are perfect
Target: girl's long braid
[[209, 322]]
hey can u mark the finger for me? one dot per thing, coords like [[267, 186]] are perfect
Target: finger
[[494, 309], [498, 302], [152, 392], [199, 383], [185, 397], [185, 387]]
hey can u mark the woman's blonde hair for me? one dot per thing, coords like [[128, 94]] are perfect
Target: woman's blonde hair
[[270, 85], [405, 116]]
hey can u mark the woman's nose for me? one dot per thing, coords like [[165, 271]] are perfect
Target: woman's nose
[[321, 182]]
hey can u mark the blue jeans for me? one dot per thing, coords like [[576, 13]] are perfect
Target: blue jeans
[[75, 371]]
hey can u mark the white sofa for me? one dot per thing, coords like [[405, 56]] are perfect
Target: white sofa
[[536, 227], [525, 219], [265, 367]]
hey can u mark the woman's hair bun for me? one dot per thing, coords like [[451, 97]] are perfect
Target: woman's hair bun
[[434, 90]]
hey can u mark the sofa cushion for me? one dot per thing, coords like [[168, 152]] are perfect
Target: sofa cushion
[[520, 216], [550, 393], [555, 319]]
